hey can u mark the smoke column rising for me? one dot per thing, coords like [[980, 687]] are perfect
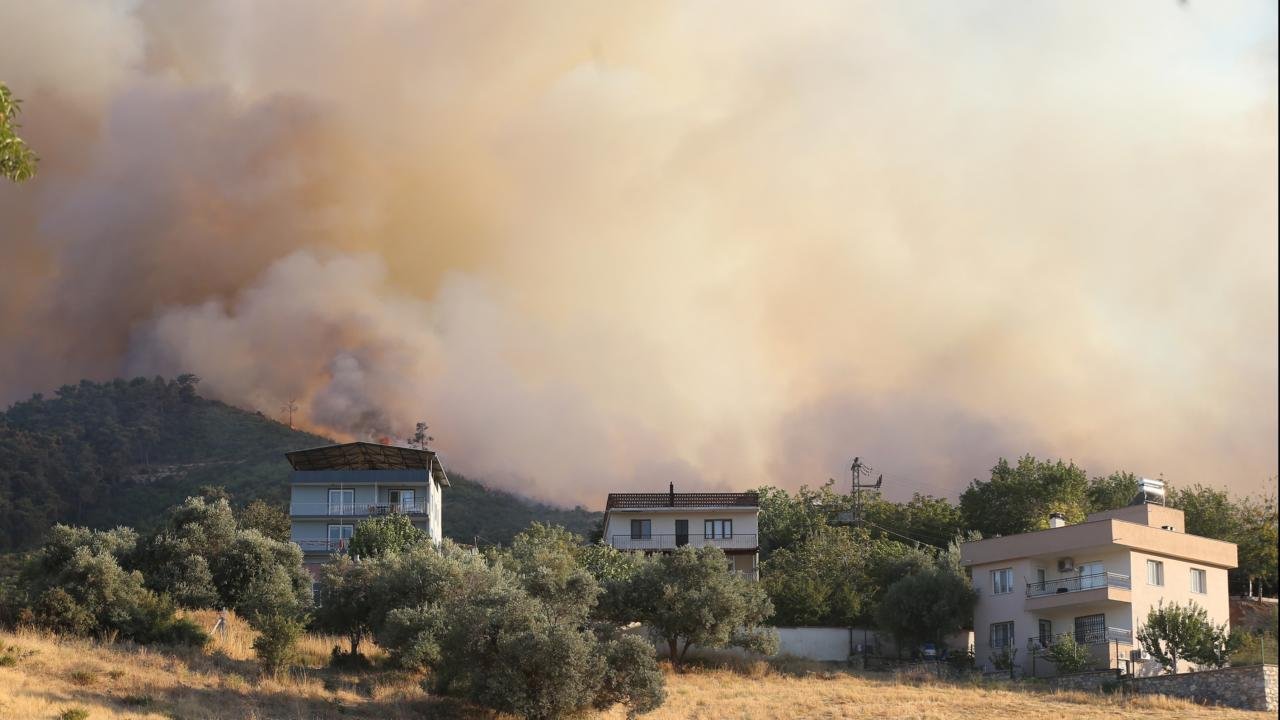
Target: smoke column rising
[[606, 245]]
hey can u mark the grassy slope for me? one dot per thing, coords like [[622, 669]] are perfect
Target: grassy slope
[[211, 443], [123, 681]]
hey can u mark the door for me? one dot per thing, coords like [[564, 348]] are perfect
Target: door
[[682, 533], [341, 502], [1092, 575], [1046, 633], [401, 500]]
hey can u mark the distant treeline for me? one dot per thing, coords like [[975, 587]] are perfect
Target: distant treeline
[[121, 452]]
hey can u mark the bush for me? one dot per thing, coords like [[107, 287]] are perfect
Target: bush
[[386, 535], [631, 676], [277, 643], [926, 607], [1174, 631], [1070, 656], [74, 713]]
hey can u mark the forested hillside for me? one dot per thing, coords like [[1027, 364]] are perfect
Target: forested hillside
[[120, 452]]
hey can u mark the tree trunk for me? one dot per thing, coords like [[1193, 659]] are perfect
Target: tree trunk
[[675, 656], [355, 643], [687, 643]]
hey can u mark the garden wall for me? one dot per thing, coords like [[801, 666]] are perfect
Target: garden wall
[[1252, 687]]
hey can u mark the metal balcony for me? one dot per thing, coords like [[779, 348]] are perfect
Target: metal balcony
[[1090, 636], [323, 509], [671, 542], [1077, 583]]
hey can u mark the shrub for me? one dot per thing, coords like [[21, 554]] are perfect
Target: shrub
[[74, 713], [1070, 656], [631, 676], [386, 535], [1003, 658], [277, 643], [83, 676], [926, 607]]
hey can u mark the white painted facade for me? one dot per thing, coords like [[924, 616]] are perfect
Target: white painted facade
[[669, 521]]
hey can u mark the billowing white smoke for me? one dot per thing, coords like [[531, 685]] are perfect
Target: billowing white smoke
[[615, 244]]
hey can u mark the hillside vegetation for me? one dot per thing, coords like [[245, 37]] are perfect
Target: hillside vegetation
[[49, 676], [120, 452]]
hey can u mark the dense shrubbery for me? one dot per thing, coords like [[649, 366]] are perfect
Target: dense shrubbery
[[515, 631], [111, 583]]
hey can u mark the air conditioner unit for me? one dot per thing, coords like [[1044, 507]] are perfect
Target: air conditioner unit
[[1138, 655], [1066, 564]]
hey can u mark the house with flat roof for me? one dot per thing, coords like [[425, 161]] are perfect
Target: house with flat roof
[[1093, 581], [336, 486], [662, 522]]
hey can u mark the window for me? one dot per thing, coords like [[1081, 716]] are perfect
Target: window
[[1046, 632], [341, 501], [401, 501], [340, 536], [1155, 572], [717, 529], [1002, 581], [1001, 635], [1199, 584], [1091, 629], [1092, 575], [641, 529]]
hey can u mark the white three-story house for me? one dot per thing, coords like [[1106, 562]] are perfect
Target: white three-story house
[[332, 488]]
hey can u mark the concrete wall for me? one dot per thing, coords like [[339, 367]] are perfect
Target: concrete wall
[[829, 644]]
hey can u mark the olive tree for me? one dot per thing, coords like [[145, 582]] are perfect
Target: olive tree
[[1174, 632], [691, 597], [926, 606]]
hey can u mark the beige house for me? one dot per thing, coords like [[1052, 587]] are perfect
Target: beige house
[[662, 522], [1094, 581]]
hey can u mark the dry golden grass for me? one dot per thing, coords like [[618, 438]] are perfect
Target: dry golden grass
[[121, 680]]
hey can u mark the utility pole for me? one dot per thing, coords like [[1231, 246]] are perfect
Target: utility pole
[[857, 486], [290, 408]]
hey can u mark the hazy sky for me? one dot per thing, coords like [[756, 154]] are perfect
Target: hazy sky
[[604, 246]]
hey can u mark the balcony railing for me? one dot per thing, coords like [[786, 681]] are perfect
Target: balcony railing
[[357, 509], [325, 546], [1078, 582], [1090, 636], [671, 542]]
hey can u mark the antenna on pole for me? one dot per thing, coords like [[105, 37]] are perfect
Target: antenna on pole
[[857, 486]]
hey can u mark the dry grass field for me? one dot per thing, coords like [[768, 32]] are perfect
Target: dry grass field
[[52, 676]]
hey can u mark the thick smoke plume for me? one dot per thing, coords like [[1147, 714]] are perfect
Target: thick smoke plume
[[608, 245]]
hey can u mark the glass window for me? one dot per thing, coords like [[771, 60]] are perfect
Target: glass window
[[1046, 633], [1091, 629], [1199, 584], [1155, 572], [341, 502], [1092, 575], [717, 529], [339, 536], [1002, 581], [641, 529], [1039, 586], [1001, 635]]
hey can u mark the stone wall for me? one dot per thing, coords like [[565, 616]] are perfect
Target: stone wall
[[1252, 687], [1090, 681]]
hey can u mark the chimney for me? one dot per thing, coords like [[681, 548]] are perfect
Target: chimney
[[1057, 520], [671, 494]]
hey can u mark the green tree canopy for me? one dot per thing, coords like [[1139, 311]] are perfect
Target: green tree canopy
[[385, 535], [1020, 497], [926, 606], [17, 162], [691, 597]]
